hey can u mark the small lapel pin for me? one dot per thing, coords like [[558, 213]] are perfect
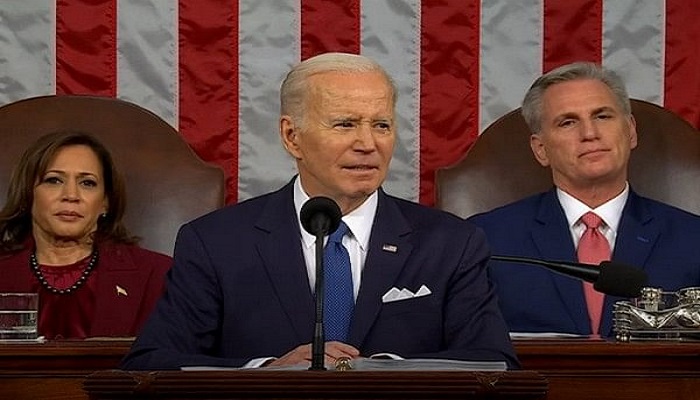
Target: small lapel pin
[[390, 248], [121, 291]]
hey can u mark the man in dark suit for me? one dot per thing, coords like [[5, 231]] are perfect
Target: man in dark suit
[[583, 130], [241, 289]]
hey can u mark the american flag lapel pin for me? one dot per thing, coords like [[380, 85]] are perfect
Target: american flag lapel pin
[[390, 248], [121, 291]]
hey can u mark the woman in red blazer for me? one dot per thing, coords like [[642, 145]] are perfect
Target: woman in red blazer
[[62, 236]]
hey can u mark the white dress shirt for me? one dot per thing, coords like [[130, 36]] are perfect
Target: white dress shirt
[[359, 222], [610, 212]]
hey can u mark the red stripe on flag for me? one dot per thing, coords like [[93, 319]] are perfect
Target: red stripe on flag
[[86, 47], [449, 87], [208, 76], [572, 32], [329, 26], [682, 60]]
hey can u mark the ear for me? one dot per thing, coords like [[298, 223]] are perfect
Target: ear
[[633, 131], [289, 133], [539, 150]]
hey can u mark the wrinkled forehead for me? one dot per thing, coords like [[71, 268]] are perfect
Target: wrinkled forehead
[[339, 84]]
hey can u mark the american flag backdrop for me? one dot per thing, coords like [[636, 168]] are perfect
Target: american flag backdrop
[[212, 68]]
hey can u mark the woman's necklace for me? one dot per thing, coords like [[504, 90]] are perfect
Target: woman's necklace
[[37, 271]]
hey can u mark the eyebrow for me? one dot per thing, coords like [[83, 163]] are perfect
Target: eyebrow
[[80, 174], [574, 114], [603, 109]]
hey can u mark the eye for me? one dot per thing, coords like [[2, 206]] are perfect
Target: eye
[[604, 116], [566, 123], [52, 180], [385, 126], [345, 124], [89, 183]]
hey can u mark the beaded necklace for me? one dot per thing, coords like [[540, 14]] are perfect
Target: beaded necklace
[[37, 272]]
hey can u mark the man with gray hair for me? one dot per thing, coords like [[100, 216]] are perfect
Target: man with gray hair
[[584, 131], [411, 279]]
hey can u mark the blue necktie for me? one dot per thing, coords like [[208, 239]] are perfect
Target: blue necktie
[[338, 286]]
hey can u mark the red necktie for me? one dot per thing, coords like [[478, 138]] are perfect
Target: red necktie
[[592, 249]]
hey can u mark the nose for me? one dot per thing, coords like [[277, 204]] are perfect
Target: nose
[[365, 140], [70, 191], [589, 129]]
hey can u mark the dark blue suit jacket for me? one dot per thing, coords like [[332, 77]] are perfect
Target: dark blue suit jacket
[[663, 240], [239, 289]]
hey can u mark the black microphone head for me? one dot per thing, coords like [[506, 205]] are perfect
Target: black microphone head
[[620, 280], [320, 215]]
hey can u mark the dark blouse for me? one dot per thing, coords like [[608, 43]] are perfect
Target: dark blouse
[[67, 315]]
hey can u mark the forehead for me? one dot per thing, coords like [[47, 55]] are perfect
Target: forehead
[[577, 95], [76, 156], [338, 88]]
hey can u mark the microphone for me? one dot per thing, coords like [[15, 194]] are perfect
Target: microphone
[[319, 216], [609, 277]]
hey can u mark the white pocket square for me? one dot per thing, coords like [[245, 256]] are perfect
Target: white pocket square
[[396, 294]]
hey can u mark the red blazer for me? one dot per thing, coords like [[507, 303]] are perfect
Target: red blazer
[[140, 272]]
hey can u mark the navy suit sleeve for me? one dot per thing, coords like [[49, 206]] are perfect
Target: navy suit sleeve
[[183, 330]]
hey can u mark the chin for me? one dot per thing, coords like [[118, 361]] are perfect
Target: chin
[[69, 236]]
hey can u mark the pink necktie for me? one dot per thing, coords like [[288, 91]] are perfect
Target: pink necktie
[[592, 249]]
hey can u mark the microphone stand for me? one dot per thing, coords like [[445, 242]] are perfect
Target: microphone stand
[[318, 344]]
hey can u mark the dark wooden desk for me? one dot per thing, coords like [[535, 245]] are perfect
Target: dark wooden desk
[[575, 369], [55, 370], [581, 369]]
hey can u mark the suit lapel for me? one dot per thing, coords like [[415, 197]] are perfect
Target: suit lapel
[[637, 233], [282, 257], [636, 236], [382, 266], [121, 285], [550, 233]]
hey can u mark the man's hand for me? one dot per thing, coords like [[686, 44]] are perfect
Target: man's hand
[[302, 354]]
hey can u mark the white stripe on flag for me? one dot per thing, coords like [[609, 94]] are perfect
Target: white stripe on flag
[[268, 48], [391, 35], [27, 49], [510, 56], [633, 45], [147, 71]]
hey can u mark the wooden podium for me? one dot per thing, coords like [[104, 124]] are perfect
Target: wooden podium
[[56, 369], [600, 370], [574, 369], [260, 384]]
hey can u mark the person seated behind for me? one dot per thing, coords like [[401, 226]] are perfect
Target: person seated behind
[[62, 236], [240, 292], [583, 130]]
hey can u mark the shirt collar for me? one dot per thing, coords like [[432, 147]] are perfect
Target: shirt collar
[[610, 212], [359, 221]]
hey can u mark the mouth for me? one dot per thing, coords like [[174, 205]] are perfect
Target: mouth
[[595, 152], [360, 168], [68, 215]]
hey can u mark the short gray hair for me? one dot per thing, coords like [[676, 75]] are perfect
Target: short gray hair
[[532, 103], [295, 86]]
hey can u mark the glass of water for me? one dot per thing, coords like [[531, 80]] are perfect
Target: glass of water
[[18, 316]]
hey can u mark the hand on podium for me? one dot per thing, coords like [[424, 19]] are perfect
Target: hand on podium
[[302, 355]]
